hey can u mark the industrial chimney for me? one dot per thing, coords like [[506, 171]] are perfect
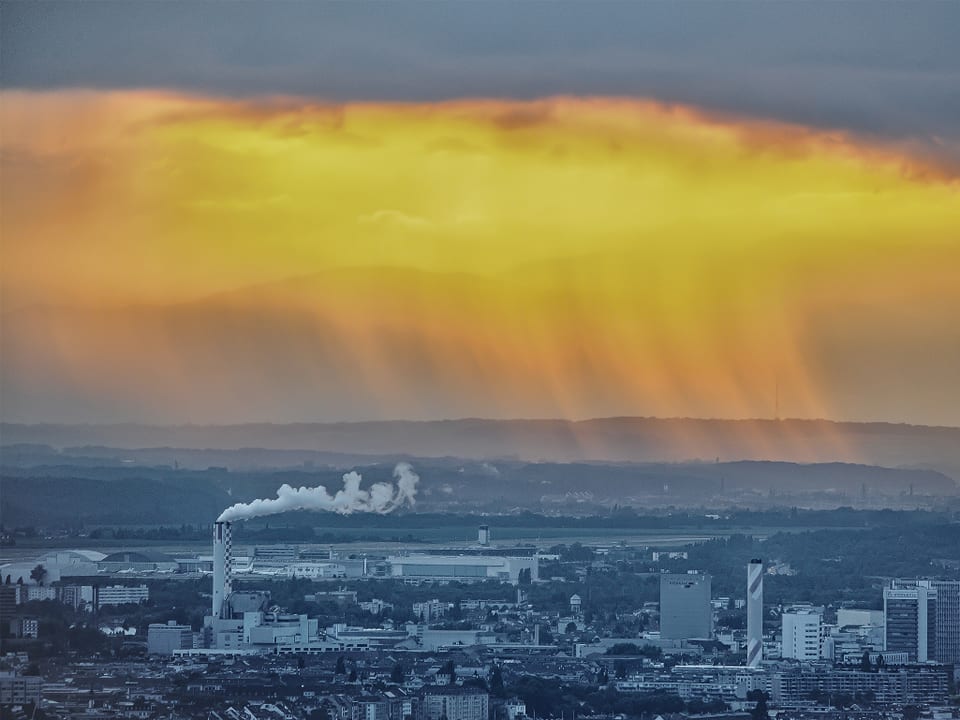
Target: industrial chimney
[[754, 612], [222, 553]]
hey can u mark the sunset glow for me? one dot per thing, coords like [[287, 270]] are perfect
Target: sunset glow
[[179, 257]]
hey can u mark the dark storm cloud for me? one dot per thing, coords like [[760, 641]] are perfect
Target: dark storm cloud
[[891, 69]]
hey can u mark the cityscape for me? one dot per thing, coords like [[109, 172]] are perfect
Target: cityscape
[[567, 360]]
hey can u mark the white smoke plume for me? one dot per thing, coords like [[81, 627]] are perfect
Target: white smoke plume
[[380, 498]]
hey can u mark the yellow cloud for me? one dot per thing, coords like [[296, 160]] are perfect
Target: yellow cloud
[[566, 256]]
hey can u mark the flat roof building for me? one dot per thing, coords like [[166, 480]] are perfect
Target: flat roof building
[[910, 622], [685, 610]]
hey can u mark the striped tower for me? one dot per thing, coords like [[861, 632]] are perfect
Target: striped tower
[[754, 613], [222, 571]]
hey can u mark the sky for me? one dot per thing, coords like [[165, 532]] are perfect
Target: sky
[[348, 211]]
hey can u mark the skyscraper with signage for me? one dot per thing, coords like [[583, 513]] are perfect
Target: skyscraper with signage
[[685, 610]]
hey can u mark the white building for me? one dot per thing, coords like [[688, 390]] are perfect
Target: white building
[[430, 610], [313, 570], [122, 595], [516, 708], [163, 639], [801, 634], [455, 703], [41, 592]]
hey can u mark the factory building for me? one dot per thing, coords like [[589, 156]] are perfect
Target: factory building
[[462, 568], [141, 562], [164, 639], [59, 564]]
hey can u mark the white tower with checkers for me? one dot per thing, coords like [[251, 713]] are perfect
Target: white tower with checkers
[[222, 554]]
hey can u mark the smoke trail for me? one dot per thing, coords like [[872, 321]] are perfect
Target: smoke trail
[[380, 498]]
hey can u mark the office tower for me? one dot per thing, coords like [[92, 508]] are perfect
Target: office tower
[[910, 621], [948, 620], [801, 634], [685, 610], [754, 612]]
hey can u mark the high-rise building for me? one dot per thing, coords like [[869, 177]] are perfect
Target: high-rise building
[[948, 620], [945, 620], [910, 622], [754, 612], [685, 610], [801, 634]]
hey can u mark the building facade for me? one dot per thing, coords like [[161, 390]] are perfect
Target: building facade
[[462, 568], [801, 635], [947, 623], [910, 622], [163, 639], [19, 689], [452, 702], [685, 610], [122, 595]]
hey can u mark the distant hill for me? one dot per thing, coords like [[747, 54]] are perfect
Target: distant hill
[[128, 493], [625, 439]]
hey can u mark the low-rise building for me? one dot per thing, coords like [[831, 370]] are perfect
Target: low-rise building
[[20, 689], [163, 639], [453, 702], [122, 595]]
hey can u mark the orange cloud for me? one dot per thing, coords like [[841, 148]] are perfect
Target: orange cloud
[[572, 257]]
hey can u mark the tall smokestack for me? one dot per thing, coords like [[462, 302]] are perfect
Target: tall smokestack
[[222, 553], [754, 613]]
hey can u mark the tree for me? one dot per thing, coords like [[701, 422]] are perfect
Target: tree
[[397, 675], [865, 664], [570, 628], [525, 577], [353, 675], [38, 574], [841, 701], [496, 681], [450, 670], [7, 581], [759, 711], [341, 668]]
